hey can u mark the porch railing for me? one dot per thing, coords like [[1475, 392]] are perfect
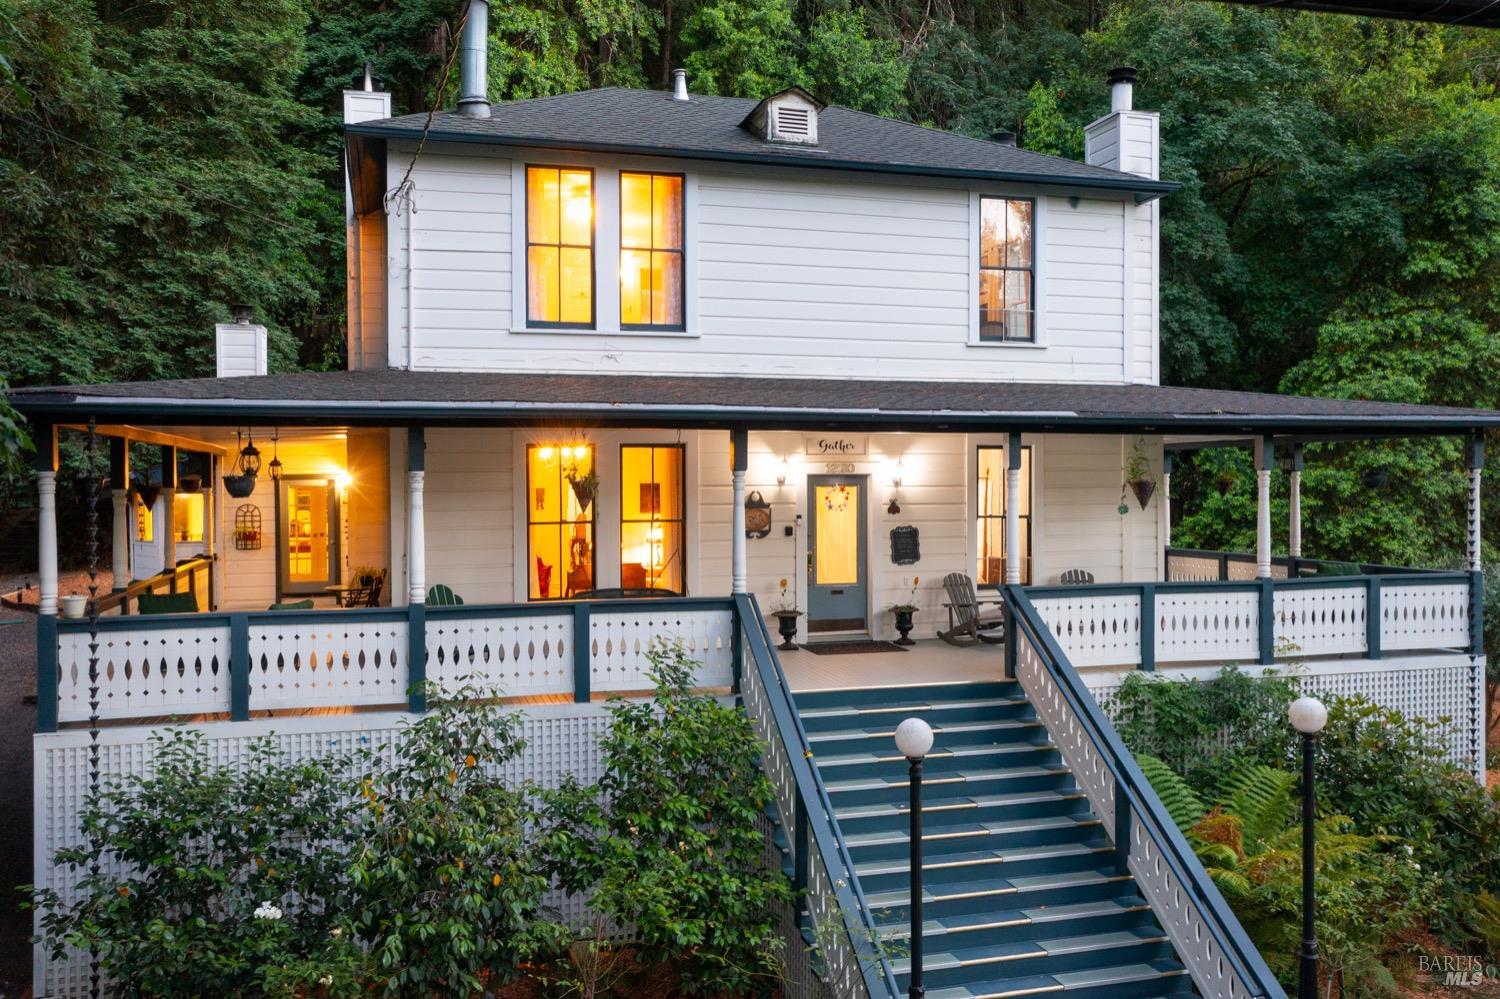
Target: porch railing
[[1259, 621], [842, 922], [1197, 565], [194, 575], [237, 663], [1209, 940]]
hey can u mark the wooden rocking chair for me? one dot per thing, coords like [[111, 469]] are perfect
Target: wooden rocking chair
[[968, 623]]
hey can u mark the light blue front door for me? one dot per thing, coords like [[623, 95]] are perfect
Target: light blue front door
[[837, 562]]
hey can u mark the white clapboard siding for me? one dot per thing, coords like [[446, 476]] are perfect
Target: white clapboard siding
[[467, 499], [1078, 524], [788, 275]]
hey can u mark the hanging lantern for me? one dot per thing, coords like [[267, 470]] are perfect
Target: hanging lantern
[[275, 466], [250, 459]]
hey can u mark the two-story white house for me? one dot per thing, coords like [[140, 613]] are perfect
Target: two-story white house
[[630, 364]]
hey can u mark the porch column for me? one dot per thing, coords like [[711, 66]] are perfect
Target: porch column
[[416, 529], [119, 492], [739, 446], [1294, 520], [1475, 455], [46, 518], [169, 514], [1166, 499], [1013, 510], [1265, 457]]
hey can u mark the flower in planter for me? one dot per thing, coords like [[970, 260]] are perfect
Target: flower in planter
[[785, 603], [267, 910]]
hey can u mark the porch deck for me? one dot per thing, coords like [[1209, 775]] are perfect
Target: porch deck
[[927, 662]]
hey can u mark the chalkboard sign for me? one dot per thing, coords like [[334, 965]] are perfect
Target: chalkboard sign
[[906, 545]]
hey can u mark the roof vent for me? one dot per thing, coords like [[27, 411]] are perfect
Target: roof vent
[[679, 85], [790, 116]]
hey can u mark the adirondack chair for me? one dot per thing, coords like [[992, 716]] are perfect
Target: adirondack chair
[[968, 622], [1076, 577], [440, 595]]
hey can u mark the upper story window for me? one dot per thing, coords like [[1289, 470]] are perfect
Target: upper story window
[[1007, 311], [560, 247], [651, 292]]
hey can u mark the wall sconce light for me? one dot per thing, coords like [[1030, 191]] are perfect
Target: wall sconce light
[[894, 507], [783, 472]]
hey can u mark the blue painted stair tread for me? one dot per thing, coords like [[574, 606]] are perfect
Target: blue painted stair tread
[[1023, 891]]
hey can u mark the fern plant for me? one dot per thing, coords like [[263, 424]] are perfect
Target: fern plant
[[1182, 802]]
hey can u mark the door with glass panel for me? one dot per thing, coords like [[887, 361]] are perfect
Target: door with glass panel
[[308, 540], [837, 560], [989, 502], [652, 501]]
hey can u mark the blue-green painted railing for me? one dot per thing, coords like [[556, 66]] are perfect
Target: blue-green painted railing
[[1297, 566], [813, 824], [1135, 799]]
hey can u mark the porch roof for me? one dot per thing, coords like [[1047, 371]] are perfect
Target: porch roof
[[391, 397]]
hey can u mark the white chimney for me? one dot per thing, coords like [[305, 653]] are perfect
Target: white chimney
[[473, 59], [1125, 139], [240, 346], [679, 85]]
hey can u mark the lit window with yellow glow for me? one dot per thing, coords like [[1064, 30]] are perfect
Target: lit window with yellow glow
[[651, 251], [1006, 308], [560, 246], [145, 527], [561, 492], [989, 499], [652, 499], [187, 516]]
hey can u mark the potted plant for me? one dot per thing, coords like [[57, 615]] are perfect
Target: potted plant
[[904, 612], [364, 575], [1138, 474], [585, 485], [239, 486], [786, 613], [147, 493]]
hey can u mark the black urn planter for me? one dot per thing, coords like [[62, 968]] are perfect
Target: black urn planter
[[904, 625], [786, 626], [239, 486]]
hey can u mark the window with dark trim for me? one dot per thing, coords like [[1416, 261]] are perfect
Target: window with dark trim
[[561, 493], [651, 251], [989, 504], [1007, 285], [653, 501], [560, 247]]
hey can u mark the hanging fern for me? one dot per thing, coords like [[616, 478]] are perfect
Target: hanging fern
[[1184, 806], [1261, 798]]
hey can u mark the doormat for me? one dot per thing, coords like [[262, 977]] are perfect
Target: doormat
[[851, 648]]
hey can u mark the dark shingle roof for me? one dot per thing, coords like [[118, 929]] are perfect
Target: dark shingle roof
[[650, 122], [391, 397]]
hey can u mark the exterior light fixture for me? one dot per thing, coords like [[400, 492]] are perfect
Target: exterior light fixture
[[275, 469], [914, 741], [1308, 716], [250, 458], [784, 471]]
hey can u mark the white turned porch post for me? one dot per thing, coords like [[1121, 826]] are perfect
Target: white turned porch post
[[416, 527], [1476, 477], [1166, 499], [1294, 492], [739, 446], [1265, 456], [1013, 509], [46, 519], [119, 494]]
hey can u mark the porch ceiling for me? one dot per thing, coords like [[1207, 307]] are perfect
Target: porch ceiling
[[393, 397]]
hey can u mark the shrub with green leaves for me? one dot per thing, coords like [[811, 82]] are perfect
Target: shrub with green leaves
[[449, 890], [233, 880], [668, 843]]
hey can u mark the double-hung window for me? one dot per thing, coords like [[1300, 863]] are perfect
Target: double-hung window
[[651, 295], [652, 504], [1007, 285], [560, 247]]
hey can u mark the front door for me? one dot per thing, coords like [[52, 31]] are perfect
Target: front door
[[309, 536], [837, 566]]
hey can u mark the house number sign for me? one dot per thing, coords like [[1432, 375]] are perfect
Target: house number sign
[[839, 468], [834, 446]]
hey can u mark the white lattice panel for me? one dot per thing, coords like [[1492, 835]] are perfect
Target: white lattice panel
[[1424, 616], [619, 640], [1208, 625], [1089, 769], [842, 972], [518, 656], [1321, 620], [174, 669], [559, 740], [1095, 629], [1192, 569], [302, 663], [1180, 916]]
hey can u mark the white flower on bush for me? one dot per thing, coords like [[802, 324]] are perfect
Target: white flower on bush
[[336, 932], [267, 910], [326, 980]]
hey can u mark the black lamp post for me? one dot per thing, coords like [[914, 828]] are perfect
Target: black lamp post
[[1308, 716], [914, 741]]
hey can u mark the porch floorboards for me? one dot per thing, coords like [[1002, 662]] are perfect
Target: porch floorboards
[[926, 662]]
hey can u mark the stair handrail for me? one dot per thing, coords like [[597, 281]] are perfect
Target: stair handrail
[[1245, 961], [822, 824]]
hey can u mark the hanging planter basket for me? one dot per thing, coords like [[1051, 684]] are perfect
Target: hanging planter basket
[[239, 486], [190, 483], [147, 494], [1143, 489], [1376, 478]]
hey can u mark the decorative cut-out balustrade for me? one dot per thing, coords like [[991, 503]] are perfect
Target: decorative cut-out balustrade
[[233, 664]]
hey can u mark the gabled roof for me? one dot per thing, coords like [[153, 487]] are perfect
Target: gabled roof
[[650, 122], [391, 397]]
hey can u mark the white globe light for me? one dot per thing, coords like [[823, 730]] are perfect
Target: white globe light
[[1308, 715], [914, 738]]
